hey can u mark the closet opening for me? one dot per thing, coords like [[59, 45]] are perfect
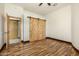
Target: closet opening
[[13, 32]]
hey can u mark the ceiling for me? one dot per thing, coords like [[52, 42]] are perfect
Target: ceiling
[[43, 9]]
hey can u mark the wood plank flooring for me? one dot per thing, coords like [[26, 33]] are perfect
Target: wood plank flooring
[[45, 47]]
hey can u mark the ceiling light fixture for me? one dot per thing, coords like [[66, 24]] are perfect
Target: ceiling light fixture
[[49, 4]]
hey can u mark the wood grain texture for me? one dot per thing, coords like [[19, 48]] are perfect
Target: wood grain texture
[[41, 29], [33, 29], [45, 47], [37, 29], [13, 29]]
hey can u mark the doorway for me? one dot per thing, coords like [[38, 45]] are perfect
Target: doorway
[[13, 30]]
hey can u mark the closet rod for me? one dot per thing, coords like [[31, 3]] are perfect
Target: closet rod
[[14, 17]]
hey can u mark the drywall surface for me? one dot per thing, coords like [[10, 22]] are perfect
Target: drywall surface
[[59, 24], [75, 25], [1, 32], [26, 23], [1, 25], [13, 10]]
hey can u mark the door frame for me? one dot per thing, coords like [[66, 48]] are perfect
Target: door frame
[[7, 33]]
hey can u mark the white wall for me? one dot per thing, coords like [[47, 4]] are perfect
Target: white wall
[[59, 24], [26, 23], [75, 25], [13, 10], [1, 32], [1, 25]]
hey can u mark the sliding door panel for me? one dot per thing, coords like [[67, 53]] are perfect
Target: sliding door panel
[[33, 29], [41, 29]]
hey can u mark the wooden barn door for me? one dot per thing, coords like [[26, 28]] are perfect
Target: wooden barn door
[[33, 29], [37, 29], [41, 29]]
